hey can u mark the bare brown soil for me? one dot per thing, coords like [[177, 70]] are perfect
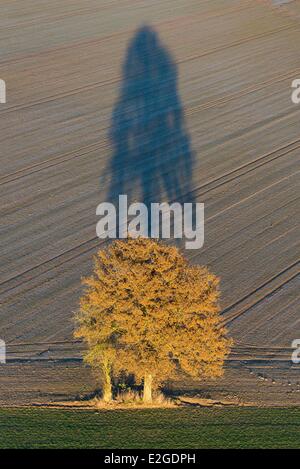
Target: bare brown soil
[[62, 63]]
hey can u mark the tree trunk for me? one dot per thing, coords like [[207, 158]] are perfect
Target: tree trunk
[[147, 395], [107, 386]]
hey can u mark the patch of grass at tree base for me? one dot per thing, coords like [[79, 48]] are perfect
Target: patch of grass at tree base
[[151, 428]]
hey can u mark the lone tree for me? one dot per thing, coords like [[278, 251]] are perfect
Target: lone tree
[[147, 312]]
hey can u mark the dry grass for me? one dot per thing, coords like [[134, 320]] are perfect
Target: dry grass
[[134, 399]]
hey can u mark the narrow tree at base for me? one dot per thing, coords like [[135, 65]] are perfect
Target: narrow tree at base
[[147, 394]]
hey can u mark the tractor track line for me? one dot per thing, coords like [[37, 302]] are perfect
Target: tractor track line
[[96, 239], [267, 295]]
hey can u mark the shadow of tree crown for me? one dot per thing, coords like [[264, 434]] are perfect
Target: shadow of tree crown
[[151, 149]]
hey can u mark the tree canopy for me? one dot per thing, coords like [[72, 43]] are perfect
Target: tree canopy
[[147, 312]]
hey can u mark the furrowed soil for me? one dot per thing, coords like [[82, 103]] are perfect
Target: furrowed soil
[[232, 64]]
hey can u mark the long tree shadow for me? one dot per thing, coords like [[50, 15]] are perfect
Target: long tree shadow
[[152, 159]]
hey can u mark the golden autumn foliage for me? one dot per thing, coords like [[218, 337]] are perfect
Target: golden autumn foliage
[[147, 312]]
